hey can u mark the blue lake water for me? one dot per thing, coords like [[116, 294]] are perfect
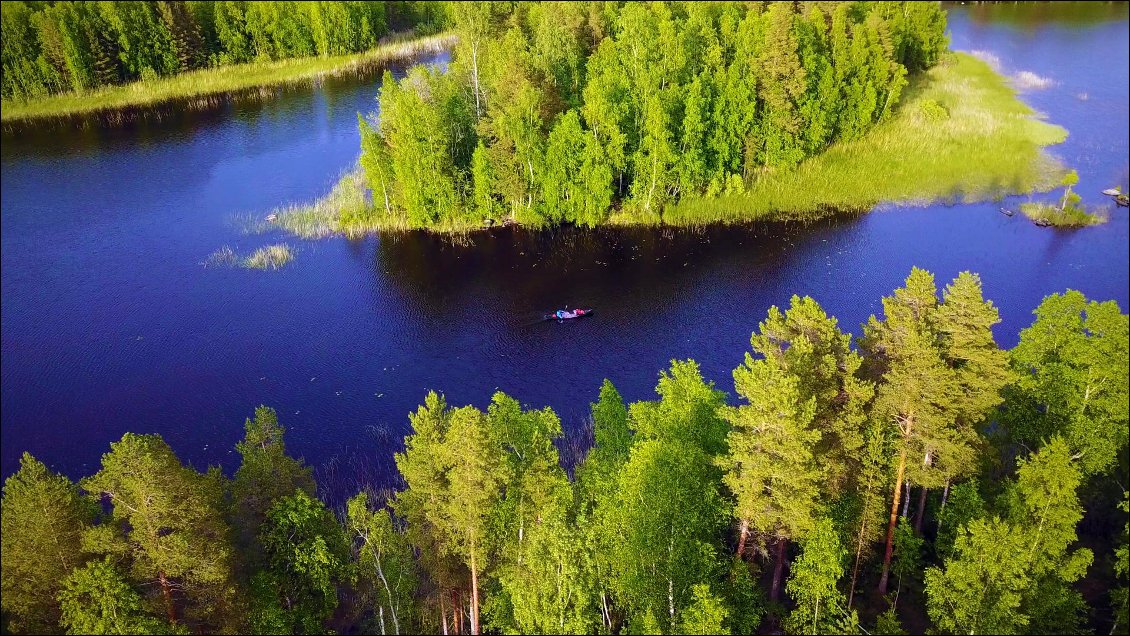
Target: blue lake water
[[111, 324]]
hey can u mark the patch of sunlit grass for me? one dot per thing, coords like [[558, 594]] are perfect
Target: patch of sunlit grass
[[979, 143], [269, 257]]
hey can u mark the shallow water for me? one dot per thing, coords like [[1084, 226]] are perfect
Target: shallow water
[[111, 324]]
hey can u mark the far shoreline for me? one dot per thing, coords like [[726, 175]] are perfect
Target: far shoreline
[[116, 105]]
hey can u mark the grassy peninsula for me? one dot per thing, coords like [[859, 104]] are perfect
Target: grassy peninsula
[[203, 87], [960, 134]]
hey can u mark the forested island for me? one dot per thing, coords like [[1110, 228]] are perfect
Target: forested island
[[685, 113], [918, 477]]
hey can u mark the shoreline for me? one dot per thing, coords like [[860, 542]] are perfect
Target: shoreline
[[116, 105], [941, 145]]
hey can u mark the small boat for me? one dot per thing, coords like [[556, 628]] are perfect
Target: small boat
[[1042, 222], [565, 314], [1007, 212], [1112, 192], [272, 217], [1122, 200]]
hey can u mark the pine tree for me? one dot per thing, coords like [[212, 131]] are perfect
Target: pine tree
[[43, 518], [170, 519]]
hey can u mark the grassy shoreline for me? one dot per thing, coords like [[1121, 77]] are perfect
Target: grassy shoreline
[[961, 133], [205, 86]]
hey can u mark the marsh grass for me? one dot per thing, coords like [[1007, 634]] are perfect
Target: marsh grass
[[207, 87], [960, 134], [1069, 216], [347, 210], [269, 257], [222, 257]]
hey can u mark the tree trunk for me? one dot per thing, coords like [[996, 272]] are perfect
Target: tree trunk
[[457, 612], [743, 532], [906, 500], [890, 547], [778, 569], [475, 74], [168, 592], [443, 613], [604, 614], [474, 596], [921, 510], [858, 557], [391, 601], [945, 496]]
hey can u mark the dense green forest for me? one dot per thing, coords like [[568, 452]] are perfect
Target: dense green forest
[[52, 47], [917, 477], [562, 112]]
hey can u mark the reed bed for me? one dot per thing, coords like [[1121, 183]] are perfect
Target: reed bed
[[269, 257], [225, 256], [207, 87], [347, 210], [960, 134]]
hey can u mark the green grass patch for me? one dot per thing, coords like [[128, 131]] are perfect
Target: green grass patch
[[1068, 216], [959, 134], [204, 87], [269, 257]]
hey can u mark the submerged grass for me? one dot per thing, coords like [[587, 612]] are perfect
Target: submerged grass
[[269, 257], [1068, 216], [960, 134], [203, 87], [221, 257]]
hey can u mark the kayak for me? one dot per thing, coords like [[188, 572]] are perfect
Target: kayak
[[565, 314]]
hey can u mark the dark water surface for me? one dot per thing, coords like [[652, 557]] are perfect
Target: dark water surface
[[111, 324]]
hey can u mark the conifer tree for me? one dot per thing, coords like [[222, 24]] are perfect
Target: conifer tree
[[171, 521], [43, 518]]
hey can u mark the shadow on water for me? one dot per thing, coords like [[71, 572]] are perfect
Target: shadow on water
[[528, 273], [1030, 16]]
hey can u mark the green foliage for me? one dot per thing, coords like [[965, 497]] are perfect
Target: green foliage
[[647, 103], [707, 613], [812, 583], [963, 505], [307, 557], [667, 510], [907, 560], [888, 624], [979, 591], [266, 474], [386, 569], [97, 599], [1072, 365], [1120, 596], [1013, 575], [169, 521], [43, 518], [49, 47]]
